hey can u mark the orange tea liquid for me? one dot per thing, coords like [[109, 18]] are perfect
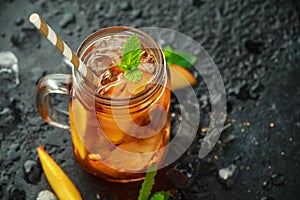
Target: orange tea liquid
[[114, 140]]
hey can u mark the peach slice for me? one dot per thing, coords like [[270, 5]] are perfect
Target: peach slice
[[59, 181], [180, 77], [80, 128]]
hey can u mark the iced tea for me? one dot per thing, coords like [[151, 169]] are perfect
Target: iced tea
[[119, 128]]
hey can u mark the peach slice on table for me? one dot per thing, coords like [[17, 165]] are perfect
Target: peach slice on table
[[58, 180], [180, 77]]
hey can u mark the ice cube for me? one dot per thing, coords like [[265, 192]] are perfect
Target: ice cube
[[110, 75], [99, 63], [104, 42], [110, 42], [9, 71], [100, 59], [147, 57], [147, 67]]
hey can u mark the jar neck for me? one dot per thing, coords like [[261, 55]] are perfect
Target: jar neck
[[85, 92]]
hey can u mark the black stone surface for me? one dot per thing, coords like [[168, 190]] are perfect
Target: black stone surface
[[255, 45]]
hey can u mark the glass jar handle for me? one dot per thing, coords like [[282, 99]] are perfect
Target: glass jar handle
[[53, 84]]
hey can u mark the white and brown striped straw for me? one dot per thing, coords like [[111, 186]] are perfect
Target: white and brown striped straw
[[47, 31]]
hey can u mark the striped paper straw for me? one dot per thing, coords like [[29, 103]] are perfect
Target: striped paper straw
[[47, 31]]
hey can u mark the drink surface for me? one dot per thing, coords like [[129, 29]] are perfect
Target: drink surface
[[100, 137], [103, 59]]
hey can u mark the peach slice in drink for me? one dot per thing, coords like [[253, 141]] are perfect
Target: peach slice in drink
[[80, 127]]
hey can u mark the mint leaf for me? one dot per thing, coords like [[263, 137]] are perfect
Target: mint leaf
[[180, 58], [148, 183], [160, 196], [157, 196], [131, 54], [133, 75]]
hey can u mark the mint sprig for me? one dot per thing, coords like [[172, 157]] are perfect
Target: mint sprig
[[147, 185], [160, 196], [180, 58], [131, 56]]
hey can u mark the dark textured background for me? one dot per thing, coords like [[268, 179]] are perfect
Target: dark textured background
[[255, 45]]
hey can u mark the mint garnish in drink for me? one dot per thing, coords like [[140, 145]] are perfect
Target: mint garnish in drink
[[131, 56]]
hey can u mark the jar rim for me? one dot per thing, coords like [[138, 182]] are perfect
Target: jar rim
[[159, 79]]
